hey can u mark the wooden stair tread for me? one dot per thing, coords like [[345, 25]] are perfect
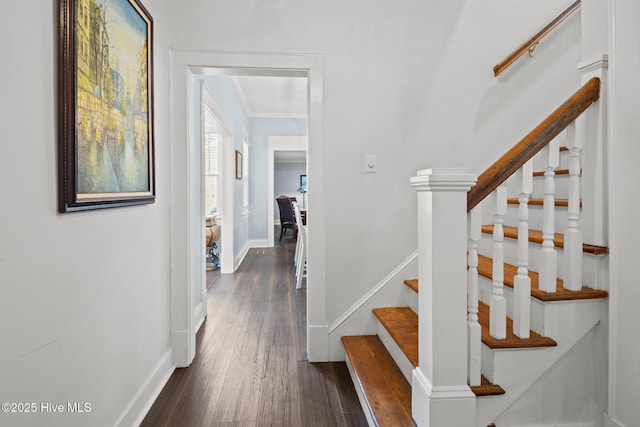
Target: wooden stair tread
[[403, 322], [511, 341], [539, 202], [557, 172], [386, 391], [412, 283], [402, 325], [486, 388], [535, 236], [485, 268]]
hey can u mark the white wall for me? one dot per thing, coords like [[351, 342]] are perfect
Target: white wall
[[624, 205], [286, 181], [408, 81], [84, 297], [363, 44]]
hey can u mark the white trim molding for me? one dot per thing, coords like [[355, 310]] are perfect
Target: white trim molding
[[610, 422], [139, 406], [241, 256], [259, 243], [374, 291], [185, 197]]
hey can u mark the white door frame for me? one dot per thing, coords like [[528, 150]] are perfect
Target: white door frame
[[278, 143], [186, 192]]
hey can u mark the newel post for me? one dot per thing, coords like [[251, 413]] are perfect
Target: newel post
[[440, 394]]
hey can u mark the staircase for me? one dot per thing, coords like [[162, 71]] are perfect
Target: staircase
[[531, 296]]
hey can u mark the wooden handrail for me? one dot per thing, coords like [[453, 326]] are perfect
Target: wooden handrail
[[533, 41], [531, 144]]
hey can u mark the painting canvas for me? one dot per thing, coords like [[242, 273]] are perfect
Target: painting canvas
[[106, 141]]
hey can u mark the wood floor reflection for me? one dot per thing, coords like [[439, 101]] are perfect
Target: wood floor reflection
[[251, 365]]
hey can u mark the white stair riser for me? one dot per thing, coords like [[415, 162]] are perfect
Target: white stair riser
[[594, 267], [410, 298], [535, 218], [537, 306], [539, 162], [396, 353], [561, 182], [568, 321]]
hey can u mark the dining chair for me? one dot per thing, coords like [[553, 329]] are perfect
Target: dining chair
[[287, 220]]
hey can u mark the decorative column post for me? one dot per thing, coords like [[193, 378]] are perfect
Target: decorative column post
[[591, 137], [440, 394]]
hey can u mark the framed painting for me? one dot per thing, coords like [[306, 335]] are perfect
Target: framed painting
[[105, 105]]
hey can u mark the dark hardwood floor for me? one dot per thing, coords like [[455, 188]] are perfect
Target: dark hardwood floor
[[251, 366]]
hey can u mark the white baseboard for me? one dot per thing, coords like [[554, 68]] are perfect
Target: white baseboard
[[240, 257], [148, 392], [318, 343], [262, 243]]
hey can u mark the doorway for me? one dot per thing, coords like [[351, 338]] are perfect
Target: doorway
[[216, 148], [187, 244], [279, 144]]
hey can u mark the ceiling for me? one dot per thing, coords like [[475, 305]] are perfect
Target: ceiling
[[273, 96]]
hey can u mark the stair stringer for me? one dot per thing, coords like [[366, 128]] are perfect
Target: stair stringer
[[571, 393], [516, 370]]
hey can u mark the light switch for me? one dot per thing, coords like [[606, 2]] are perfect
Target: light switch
[[369, 163]]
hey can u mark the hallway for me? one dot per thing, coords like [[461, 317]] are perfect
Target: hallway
[[250, 367]]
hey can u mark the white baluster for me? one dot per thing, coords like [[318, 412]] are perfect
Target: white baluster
[[498, 306], [548, 256], [473, 327], [573, 234], [522, 281]]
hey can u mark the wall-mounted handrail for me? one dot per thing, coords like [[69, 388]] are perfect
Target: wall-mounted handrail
[[533, 142], [533, 41]]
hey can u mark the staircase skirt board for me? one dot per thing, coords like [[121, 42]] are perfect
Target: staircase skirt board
[[386, 394], [517, 370]]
